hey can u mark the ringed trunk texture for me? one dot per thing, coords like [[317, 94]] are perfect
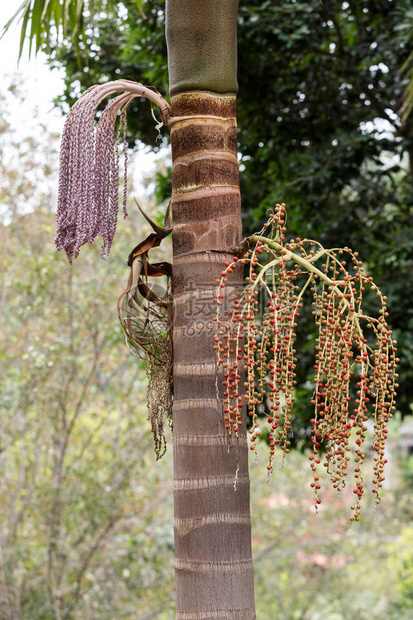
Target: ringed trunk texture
[[214, 572], [213, 562]]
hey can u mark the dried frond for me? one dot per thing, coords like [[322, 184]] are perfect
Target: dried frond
[[352, 348], [144, 316]]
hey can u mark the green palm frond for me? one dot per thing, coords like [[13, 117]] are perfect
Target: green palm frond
[[39, 16], [407, 70]]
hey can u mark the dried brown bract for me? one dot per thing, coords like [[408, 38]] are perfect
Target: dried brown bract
[[144, 312]]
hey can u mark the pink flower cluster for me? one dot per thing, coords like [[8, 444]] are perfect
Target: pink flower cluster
[[88, 198]]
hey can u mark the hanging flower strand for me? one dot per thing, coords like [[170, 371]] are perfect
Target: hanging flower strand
[[88, 198], [257, 348]]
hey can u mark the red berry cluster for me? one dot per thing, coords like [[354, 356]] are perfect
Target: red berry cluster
[[256, 351]]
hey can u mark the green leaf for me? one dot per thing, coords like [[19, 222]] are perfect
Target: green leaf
[[65, 16], [139, 4], [22, 9], [56, 10], [65, 13], [79, 9], [46, 9], [407, 69], [77, 21], [26, 16], [36, 25], [24, 12]]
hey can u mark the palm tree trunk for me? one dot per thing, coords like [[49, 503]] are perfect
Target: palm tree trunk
[[214, 572]]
